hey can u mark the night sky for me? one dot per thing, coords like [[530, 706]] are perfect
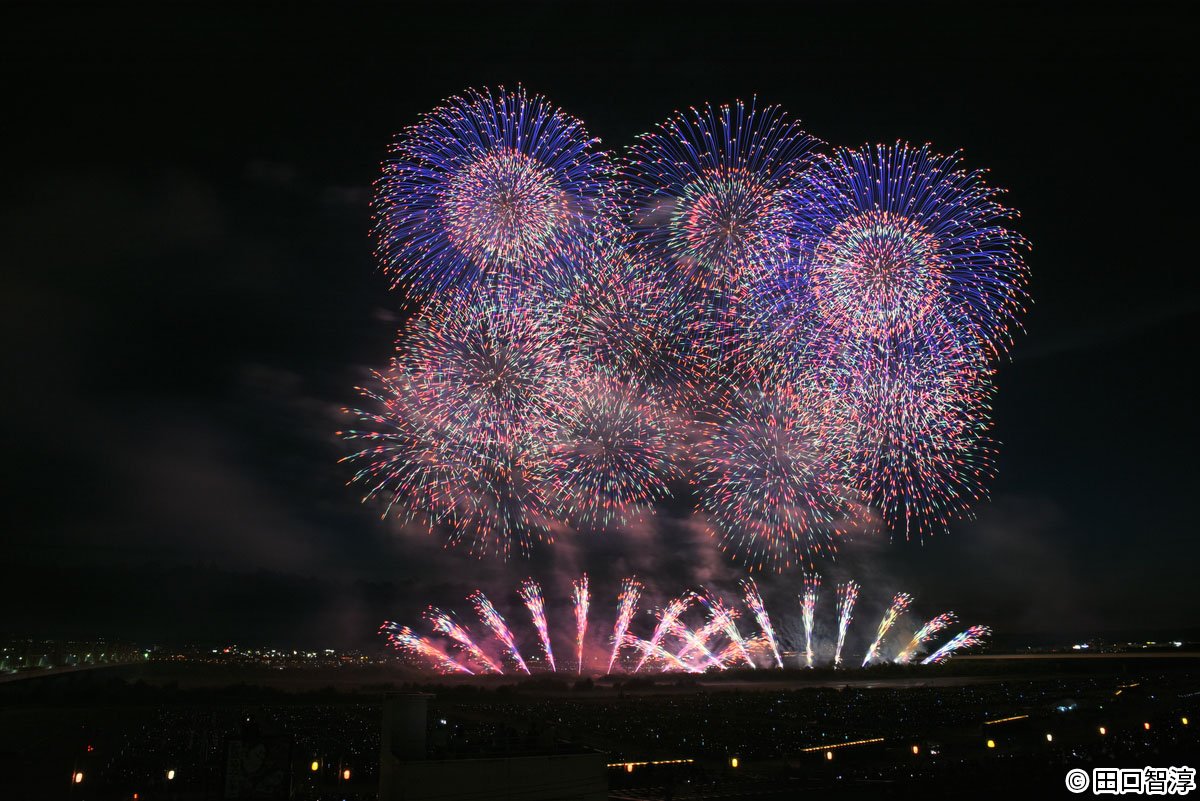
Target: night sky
[[190, 298]]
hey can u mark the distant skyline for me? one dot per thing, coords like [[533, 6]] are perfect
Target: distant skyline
[[191, 299]]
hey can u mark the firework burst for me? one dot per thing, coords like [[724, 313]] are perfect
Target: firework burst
[[771, 481], [614, 452], [712, 189], [491, 183], [898, 234]]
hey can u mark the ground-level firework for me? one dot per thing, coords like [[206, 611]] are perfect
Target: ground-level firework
[[695, 631]]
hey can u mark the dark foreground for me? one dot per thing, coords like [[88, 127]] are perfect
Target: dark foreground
[[163, 730]]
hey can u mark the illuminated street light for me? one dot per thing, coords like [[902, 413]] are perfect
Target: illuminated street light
[[1049, 737], [733, 762], [1103, 731], [171, 775], [829, 756], [315, 766], [916, 749], [991, 743], [78, 777]]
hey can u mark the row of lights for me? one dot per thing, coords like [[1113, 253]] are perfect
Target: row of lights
[[1103, 730], [316, 765]]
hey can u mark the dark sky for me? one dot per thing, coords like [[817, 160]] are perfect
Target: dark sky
[[190, 297]]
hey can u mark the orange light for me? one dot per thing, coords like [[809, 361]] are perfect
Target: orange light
[[916, 749], [733, 763], [629, 767], [315, 766], [991, 743], [828, 756], [346, 775], [1103, 731], [78, 777], [1146, 726]]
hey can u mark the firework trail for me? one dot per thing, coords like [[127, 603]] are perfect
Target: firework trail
[[667, 618], [492, 619], [491, 183], [582, 598], [847, 594], [808, 609], [403, 637], [899, 606], [446, 625], [627, 601], [716, 607], [531, 594], [755, 602], [964, 639], [651, 650], [770, 480], [705, 634], [924, 634], [693, 642]]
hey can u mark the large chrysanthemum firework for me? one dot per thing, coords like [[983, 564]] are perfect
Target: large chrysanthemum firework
[[622, 317], [442, 476], [493, 358], [771, 480], [711, 189], [491, 182], [898, 234], [614, 454], [919, 405]]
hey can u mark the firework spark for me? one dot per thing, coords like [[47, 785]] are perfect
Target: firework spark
[[531, 594], [582, 598], [964, 639], [808, 610], [627, 601], [899, 605], [924, 634], [847, 594], [495, 622], [667, 617], [653, 650], [403, 637], [445, 624], [719, 611], [755, 603]]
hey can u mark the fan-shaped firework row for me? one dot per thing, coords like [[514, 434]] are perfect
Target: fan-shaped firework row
[[695, 632], [807, 334]]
